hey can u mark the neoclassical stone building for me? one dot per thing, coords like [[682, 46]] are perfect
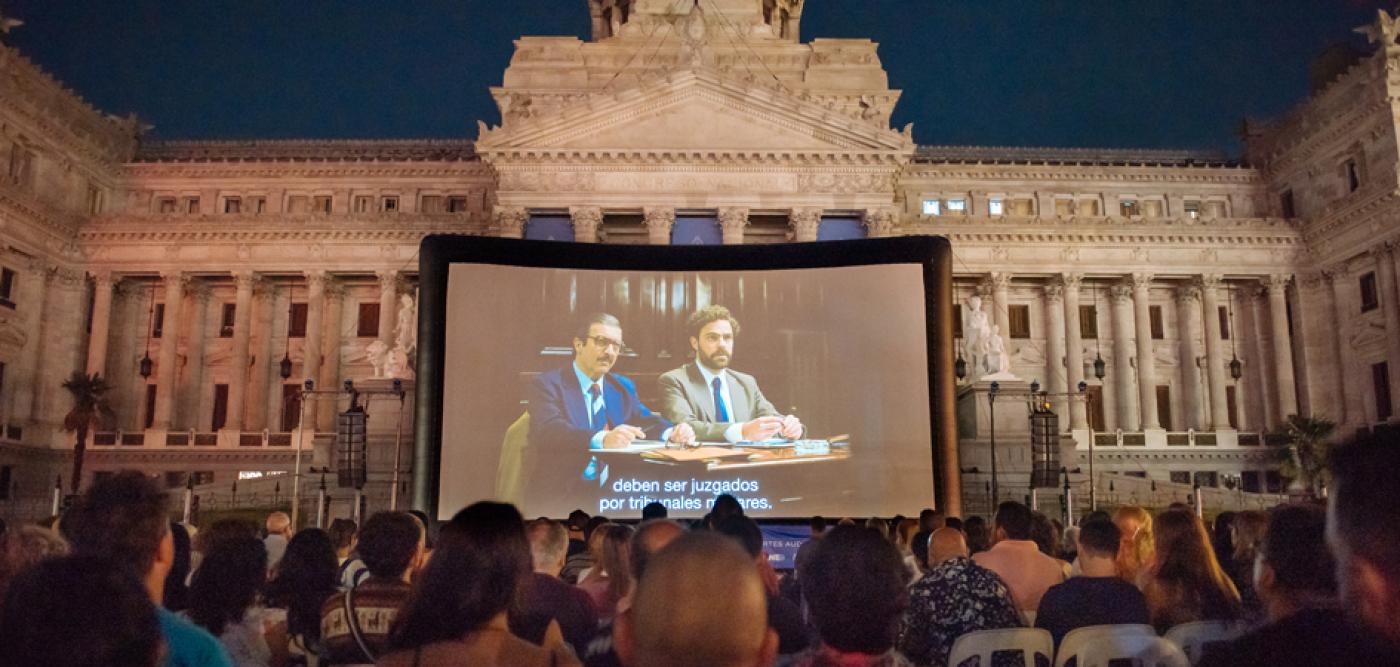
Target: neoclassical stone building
[[1222, 295]]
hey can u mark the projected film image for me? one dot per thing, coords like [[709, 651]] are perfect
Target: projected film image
[[799, 392]]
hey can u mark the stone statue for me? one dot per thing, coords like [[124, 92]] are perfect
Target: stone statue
[[975, 332], [378, 355], [1383, 31], [998, 361], [406, 331]]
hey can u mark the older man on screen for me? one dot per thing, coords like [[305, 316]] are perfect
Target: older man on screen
[[718, 402]]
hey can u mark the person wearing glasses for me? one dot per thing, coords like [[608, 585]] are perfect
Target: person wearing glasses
[[719, 403], [585, 406]]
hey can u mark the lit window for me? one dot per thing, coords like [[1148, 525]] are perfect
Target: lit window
[[389, 204], [995, 207], [932, 207], [1129, 207], [957, 206], [1192, 209]]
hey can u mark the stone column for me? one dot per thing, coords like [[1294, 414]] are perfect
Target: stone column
[[587, 221], [30, 305], [658, 221], [1055, 380], [1215, 354], [1352, 415], [1188, 315], [732, 221], [103, 284], [1390, 307], [1074, 349], [1146, 362], [330, 355], [1120, 296], [190, 388], [263, 353], [175, 283], [1256, 298], [388, 305], [998, 285], [1277, 285], [805, 223], [509, 222], [238, 364], [880, 222], [315, 310], [60, 347]]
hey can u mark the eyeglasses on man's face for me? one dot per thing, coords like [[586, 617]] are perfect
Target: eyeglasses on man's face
[[603, 342]]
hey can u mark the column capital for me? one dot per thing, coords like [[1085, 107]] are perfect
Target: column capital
[[1140, 280], [586, 217], [333, 289], [658, 217], [1311, 280], [1210, 281], [1335, 272], [881, 221], [1277, 282], [510, 220], [1054, 292], [999, 280], [1381, 250], [105, 277], [316, 281], [734, 218], [244, 280], [1071, 281], [1189, 293], [389, 279], [198, 290], [805, 223], [1120, 291]]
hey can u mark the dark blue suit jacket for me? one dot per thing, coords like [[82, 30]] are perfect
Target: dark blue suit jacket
[[559, 419]]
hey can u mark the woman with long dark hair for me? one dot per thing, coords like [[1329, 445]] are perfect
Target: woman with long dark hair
[[223, 599], [613, 581], [457, 612], [1185, 581], [303, 579]]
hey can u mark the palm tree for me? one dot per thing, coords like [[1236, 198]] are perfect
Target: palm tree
[[90, 412], [1308, 450]]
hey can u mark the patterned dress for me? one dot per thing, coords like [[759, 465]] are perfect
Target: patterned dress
[[957, 597]]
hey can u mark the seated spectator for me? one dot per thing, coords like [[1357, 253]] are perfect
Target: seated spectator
[[784, 617], [700, 603], [1047, 535], [1246, 535], [578, 521], [929, 520], [957, 596], [653, 510], [1220, 538], [1363, 530], [344, 538], [224, 601], [1015, 558], [1097, 597], [1296, 581], [608, 581], [355, 624], [649, 539], [123, 518], [25, 546], [79, 611], [1135, 552], [578, 566], [548, 597], [1186, 583], [855, 587], [725, 506], [279, 532], [979, 539], [456, 613], [301, 582]]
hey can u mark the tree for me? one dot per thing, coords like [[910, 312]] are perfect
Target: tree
[[90, 412], [1306, 458]]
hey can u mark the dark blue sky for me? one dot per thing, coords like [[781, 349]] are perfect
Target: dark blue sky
[[1095, 73]]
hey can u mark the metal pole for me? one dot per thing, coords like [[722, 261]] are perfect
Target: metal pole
[[301, 432], [321, 503], [992, 414], [1196, 492], [398, 457], [57, 496], [189, 500], [359, 502], [1035, 498]]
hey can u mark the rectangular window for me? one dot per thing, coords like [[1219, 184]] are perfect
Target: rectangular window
[[1129, 207], [1154, 316], [226, 319], [1370, 296], [1353, 176], [1224, 315], [1285, 202], [233, 205], [1164, 406], [1207, 479], [1019, 317], [1180, 476], [1232, 410], [958, 206], [1250, 481], [7, 287], [191, 205], [257, 204], [1380, 379], [389, 204], [362, 203], [933, 207], [220, 407], [368, 323], [996, 206], [321, 204], [456, 204], [296, 321], [1088, 322], [430, 204], [165, 205], [1192, 209], [150, 417], [158, 321], [291, 406]]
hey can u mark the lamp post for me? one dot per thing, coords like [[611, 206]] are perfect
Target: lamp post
[[1093, 494], [309, 385], [398, 448], [145, 365], [992, 414]]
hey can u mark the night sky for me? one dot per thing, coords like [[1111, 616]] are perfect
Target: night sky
[[1091, 73]]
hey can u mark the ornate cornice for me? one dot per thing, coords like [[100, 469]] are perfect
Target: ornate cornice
[[408, 228], [301, 150], [1233, 176], [305, 169], [1071, 156], [61, 115]]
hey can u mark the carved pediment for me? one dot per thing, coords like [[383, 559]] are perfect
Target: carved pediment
[[693, 111]]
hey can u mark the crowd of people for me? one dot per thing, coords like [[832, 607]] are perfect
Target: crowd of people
[[113, 583]]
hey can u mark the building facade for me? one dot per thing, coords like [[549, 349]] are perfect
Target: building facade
[[205, 279]]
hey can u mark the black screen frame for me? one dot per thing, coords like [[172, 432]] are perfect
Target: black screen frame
[[438, 252]]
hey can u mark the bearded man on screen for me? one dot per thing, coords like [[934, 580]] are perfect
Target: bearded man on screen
[[584, 406], [718, 402]]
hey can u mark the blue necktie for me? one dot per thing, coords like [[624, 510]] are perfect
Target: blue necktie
[[721, 413], [595, 402]]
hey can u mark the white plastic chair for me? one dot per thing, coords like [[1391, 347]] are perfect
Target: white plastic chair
[[1142, 650], [1193, 637], [983, 643], [1078, 639]]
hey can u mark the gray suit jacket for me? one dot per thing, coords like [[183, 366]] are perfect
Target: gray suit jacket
[[686, 398]]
